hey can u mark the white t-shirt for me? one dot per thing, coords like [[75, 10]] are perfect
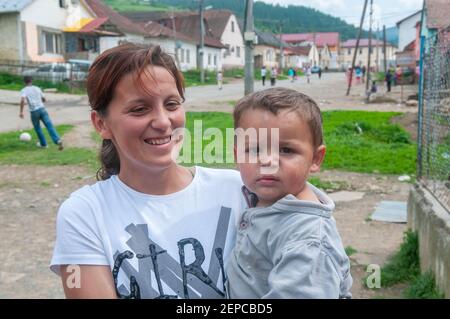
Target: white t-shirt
[[263, 72], [34, 96], [156, 245]]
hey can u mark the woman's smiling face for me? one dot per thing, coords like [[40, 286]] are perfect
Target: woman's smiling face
[[141, 121]]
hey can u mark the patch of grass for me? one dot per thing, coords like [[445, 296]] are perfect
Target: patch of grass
[[192, 78], [14, 151], [423, 287], [366, 142], [404, 265], [15, 82], [136, 5], [349, 250], [381, 147]]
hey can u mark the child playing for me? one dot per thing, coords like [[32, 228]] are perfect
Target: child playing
[[287, 245], [33, 96]]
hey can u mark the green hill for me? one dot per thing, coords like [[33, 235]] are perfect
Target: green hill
[[294, 18]]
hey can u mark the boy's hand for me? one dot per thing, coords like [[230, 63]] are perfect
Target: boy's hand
[[21, 115]]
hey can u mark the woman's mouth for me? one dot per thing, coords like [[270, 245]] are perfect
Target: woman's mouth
[[158, 141]]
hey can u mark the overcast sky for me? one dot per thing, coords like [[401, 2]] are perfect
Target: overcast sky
[[386, 12]]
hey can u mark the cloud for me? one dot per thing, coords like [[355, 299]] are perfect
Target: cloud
[[411, 3]]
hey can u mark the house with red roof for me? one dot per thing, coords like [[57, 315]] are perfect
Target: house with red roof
[[327, 43], [187, 23], [33, 30]]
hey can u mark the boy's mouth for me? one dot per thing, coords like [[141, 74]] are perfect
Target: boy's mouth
[[267, 178]]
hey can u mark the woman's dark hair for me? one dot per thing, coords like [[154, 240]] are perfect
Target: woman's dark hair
[[104, 75]]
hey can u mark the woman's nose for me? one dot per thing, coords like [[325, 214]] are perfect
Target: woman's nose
[[161, 120]]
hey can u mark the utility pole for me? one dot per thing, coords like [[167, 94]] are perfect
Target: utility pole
[[384, 49], [378, 53], [357, 46], [174, 34], [370, 49], [280, 28], [249, 38], [201, 51]]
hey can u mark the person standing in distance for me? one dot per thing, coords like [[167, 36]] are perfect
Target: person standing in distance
[[35, 99]]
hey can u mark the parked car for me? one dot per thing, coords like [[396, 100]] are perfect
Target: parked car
[[315, 69], [59, 72]]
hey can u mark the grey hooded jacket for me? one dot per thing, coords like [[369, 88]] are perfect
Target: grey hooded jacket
[[291, 249]]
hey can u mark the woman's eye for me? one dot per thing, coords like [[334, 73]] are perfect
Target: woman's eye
[[285, 150], [140, 109], [173, 105]]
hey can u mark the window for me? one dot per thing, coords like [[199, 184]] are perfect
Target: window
[[51, 42], [215, 59], [238, 52], [232, 26], [209, 58], [182, 56], [349, 52], [62, 3], [188, 56]]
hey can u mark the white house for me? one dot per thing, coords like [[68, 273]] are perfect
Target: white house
[[224, 26], [407, 29], [32, 30], [186, 27]]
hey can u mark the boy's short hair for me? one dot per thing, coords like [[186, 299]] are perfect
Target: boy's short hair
[[27, 79], [280, 99]]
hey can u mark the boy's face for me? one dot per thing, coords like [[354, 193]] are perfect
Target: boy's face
[[290, 164]]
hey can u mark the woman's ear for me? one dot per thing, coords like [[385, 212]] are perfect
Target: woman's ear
[[319, 156], [100, 125]]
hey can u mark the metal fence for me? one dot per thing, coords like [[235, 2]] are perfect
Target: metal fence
[[434, 118], [72, 74]]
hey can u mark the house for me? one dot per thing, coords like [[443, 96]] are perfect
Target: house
[[181, 46], [188, 24], [299, 57], [377, 55], [127, 30], [435, 17], [267, 50], [29, 34], [327, 44], [407, 29], [224, 26]]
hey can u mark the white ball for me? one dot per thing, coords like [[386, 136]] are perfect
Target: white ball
[[26, 137]]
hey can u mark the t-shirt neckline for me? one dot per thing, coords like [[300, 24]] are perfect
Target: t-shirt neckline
[[128, 189]]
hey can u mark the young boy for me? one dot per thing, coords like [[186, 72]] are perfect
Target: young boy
[[287, 243], [33, 96]]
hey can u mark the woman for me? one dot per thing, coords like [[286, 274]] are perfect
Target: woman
[[150, 228]]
